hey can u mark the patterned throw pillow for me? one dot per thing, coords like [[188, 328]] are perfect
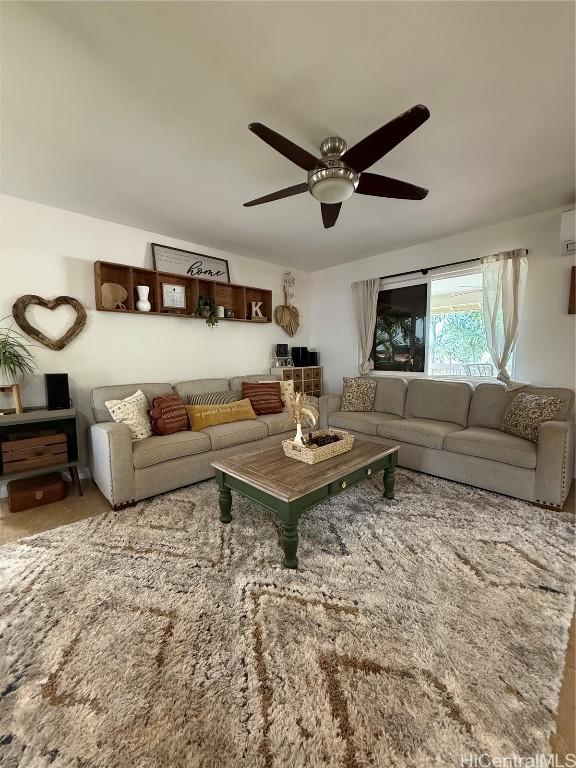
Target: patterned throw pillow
[[201, 416], [132, 411], [287, 393], [265, 398], [212, 398], [527, 411], [168, 414], [358, 394]]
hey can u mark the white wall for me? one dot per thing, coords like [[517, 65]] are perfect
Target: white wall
[[51, 252], [546, 344]]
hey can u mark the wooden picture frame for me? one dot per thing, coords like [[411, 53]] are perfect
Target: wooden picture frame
[[177, 261], [572, 300]]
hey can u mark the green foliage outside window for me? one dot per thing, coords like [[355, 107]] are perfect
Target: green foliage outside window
[[458, 337]]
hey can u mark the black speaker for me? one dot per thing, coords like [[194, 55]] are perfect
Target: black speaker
[[300, 356], [312, 358], [57, 392]]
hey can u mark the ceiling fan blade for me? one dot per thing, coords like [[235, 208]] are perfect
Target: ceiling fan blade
[[373, 147], [286, 192], [330, 213], [384, 186], [286, 147]]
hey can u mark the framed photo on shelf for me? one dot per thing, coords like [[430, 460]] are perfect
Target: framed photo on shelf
[[173, 296], [190, 264]]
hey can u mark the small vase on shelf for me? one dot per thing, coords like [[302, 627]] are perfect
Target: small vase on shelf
[[143, 305]]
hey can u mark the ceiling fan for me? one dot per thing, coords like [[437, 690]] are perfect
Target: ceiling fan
[[341, 171]]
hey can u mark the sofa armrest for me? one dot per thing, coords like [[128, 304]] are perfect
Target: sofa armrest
[[111, 462], [554, 462], [328, 404]]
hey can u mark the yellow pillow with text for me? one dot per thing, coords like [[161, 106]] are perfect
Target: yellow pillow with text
[[201, 416]]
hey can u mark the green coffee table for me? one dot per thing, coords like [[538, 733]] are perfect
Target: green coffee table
[[288, 487]]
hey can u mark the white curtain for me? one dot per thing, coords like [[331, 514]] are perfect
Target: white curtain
[[503, 286], [365, 299]]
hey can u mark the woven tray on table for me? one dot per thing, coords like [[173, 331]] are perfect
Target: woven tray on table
[[316, 454]]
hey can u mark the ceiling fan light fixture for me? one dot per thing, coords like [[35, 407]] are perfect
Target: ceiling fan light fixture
[[332, 190], [333, 184]]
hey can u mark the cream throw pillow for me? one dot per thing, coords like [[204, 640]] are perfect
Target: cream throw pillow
[[132, 411]]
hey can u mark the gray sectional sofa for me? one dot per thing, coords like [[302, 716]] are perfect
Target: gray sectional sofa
[[127, 471], [444, 428], [451, 429]]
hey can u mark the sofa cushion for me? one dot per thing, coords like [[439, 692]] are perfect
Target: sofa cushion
[[488, 405], [236, 433], [427, 432], [390, 395], [438, 400], [278, 423], [159, 448], [491, 399], [487, 443], [120, 392], [200, 387], [361, 421]]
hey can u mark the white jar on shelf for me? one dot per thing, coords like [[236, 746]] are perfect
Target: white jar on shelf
[[143, 305]]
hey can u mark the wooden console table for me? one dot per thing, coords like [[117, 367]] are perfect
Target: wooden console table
[[38, 420]]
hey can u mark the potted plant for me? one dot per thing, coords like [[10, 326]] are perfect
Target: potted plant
[[15, 358], [206, 307]]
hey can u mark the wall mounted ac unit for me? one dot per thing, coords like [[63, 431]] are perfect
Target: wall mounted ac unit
[[568, 233]]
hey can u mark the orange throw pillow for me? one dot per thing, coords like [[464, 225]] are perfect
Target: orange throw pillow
[[201, 416]]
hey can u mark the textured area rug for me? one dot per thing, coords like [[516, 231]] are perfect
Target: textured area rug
[[413, 634]]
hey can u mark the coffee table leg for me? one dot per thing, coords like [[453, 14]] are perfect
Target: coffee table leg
[[290, 544], [225, 499], [389, 481]]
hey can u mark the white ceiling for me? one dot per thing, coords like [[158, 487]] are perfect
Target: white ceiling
[[138, 113]]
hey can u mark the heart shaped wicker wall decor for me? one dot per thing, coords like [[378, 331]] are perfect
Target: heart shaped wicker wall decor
[[19, 312]]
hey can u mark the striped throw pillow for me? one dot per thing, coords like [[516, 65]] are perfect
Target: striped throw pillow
[[212, 398], [168, 414], [265, 398]]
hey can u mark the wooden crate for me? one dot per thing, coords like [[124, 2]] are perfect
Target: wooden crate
[[36, 491], [22, 452]]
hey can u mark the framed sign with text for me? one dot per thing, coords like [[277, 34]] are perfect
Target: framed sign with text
[[179, 262]]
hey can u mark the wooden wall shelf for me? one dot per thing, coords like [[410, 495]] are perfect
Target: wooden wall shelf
[[228, 295]]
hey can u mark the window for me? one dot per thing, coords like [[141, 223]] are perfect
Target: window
[[457, 336], [433, 325], [399, 338]]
